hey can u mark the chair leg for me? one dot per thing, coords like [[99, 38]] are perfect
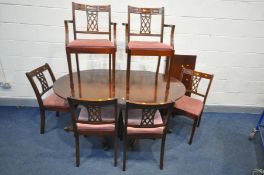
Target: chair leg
[[124, 153], [193, 131], [114, 62], [199, 120], [158, 65], [162, 151], [167, 64], [77, 150], [70, 68], [116, 147], [128, 66], [110, 64], [77, 63], [170, 70], [57, 113], [42, 121]]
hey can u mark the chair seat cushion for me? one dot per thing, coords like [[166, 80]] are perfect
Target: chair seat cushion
[[54, 101], [190, 105], [91, 43], [90, 127], [148, 45], [157, 130], [134, 118]]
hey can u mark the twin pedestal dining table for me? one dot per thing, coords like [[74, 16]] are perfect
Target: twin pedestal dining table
[[142, 86]]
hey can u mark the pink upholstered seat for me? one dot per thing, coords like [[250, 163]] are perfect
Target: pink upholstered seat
[[55, 101], [107, 115], [148, 45], [135, 119], [190, 105], [91, 127], [157, 130], [90, 43]]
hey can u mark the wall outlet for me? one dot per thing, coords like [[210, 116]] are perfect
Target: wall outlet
[[5, 85]]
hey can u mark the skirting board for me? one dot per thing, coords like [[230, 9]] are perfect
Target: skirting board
[[18, 102], [208, 108]]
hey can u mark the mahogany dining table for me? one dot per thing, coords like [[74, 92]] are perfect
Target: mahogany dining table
[[143, 86]]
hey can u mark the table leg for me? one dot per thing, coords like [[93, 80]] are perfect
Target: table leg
[[167, 65], [158, 65]]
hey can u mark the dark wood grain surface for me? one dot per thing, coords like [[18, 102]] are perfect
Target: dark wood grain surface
[[144, 86]]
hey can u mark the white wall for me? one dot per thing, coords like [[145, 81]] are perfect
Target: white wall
[[227, 36]]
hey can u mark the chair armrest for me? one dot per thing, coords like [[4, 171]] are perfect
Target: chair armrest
[[172, 34], [114, 24], [127, 34], [66, 27]]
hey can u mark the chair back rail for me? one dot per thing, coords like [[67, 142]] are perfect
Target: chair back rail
[[92, 12], [45, 87], [145, 21], [196, 77]]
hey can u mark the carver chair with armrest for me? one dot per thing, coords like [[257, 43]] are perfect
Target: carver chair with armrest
[[90, 46], [189, 106], [42, 86], [148, 48], [95, 117], [144, 121]]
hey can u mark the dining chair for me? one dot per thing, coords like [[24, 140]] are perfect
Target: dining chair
[[148, 48], [42, 87], [95, 117], [144, 121], [189, 106], [93, 45]]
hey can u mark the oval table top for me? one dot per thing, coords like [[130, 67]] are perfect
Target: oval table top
[[143, 86]]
